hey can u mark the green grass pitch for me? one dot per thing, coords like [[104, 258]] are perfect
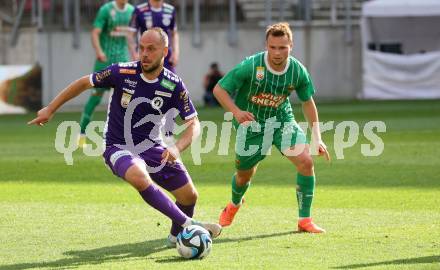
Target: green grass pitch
[[380, 212]]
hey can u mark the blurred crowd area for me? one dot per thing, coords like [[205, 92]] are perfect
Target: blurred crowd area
[[61, 13]]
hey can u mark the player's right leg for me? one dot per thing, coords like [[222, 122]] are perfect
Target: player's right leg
[[93, 101], [133, 170], [246, 164], [240, 183]]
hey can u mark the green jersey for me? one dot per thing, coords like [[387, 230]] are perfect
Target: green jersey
[[113, 23], [264, 92]]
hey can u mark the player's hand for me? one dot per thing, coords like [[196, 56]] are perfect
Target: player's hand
[[43, 116], [170, 155], [322, 151], [244, 116], [101, 57]]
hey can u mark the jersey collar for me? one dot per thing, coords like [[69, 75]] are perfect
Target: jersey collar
[[272, 70], [147, 80], [155, 9], [118, 9]]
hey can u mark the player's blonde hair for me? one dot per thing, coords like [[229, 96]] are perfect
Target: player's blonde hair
[[278, 30]]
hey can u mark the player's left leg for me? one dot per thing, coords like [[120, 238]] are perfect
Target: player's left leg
[[291, 141], [305, 187]]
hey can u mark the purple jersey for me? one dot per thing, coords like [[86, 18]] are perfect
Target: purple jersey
[[146, 17], [149, 103]]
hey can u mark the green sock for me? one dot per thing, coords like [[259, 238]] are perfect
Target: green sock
[[91, 104], [238, 192], [304, 194]]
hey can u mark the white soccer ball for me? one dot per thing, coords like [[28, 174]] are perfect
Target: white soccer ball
[[194, 242]]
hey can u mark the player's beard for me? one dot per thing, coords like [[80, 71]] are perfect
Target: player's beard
[[279, 63], [154, 66]]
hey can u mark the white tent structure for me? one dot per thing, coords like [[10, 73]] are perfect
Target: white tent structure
[[401, 49]]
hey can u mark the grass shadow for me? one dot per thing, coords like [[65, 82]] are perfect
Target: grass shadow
[[229, 240], [121, 252], [426, 259], [96, 256]]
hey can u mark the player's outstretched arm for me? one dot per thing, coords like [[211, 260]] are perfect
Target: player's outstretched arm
[[228, 104], [68, 93], [191, 132], [311, 114]]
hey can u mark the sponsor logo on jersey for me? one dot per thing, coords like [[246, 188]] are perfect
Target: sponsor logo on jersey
[[102, 75], [125, 100], [128, 64], [157, 103], [268, 100], [170, 76], [167, 84], [131, 83], [259, 75], [130, 91], [127, 71], [161, 93], [185, 98]]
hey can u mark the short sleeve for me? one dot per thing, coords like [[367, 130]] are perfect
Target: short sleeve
[[305, 88], [183, 103], [104, 78], [234, 79], [101, 18]]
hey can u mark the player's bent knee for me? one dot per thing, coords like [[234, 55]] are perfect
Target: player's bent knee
[[138, 178], [305, 165], [243, 179], [186, 195], [192, 197]]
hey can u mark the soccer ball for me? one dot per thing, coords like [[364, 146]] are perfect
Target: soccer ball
[[194, 242]]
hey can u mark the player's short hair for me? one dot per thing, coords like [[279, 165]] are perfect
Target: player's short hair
[[278, 30], [163, 35]]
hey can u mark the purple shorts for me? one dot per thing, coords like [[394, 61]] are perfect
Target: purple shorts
[[168, 176]]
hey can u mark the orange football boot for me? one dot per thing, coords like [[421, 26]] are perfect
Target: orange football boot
[[228, 214], [307, 225]]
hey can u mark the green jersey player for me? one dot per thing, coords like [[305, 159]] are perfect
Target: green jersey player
[[109, 33], [263, 116]]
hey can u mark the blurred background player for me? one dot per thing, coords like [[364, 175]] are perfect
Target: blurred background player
[[209, 81], [261, 85], [157, 91], [156, 13], [109, 39]]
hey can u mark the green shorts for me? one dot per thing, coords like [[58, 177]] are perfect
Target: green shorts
[[253, 143]]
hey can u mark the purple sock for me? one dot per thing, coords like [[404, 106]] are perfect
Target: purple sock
[[188, 210], [161, 202]]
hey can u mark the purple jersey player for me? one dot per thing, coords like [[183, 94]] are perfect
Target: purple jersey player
[[156, 13], [144, 95]]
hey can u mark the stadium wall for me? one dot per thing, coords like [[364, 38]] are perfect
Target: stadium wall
[[335, 65]]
